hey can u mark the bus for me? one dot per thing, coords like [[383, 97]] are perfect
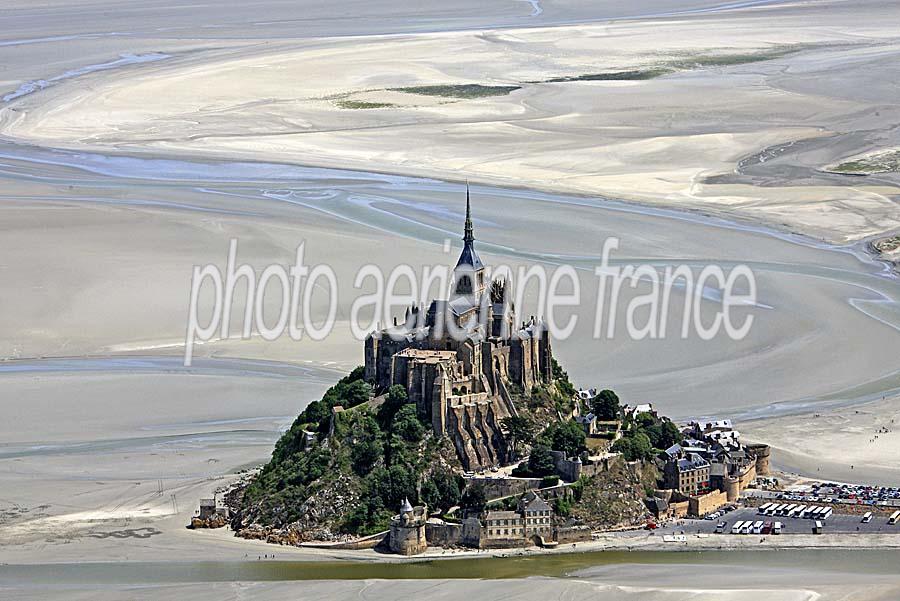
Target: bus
[[825, 513], [776, 529], [867, 517], [757, 527], [747, 528], [762, 509], [818, 526], [895, 517], [736, 529], [808, 511], [795, 511]]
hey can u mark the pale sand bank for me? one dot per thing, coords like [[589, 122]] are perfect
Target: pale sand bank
[[825, 443], [675, 140]]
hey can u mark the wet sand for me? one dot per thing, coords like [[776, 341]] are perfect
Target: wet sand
[[867, 436], [806, 576]]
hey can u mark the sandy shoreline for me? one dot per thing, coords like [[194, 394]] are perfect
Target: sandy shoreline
[[825, 443]]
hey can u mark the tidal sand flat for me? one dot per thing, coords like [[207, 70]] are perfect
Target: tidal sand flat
[[153, 220], [670, 110]]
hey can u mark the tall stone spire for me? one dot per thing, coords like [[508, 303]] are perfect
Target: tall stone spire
[[469, 235], [469, 256]]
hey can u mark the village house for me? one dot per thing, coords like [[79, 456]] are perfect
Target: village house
[[531, 522], [588, 423], [689, 474]]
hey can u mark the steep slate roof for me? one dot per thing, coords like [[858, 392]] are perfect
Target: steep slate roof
[[692, 462], [674, 450], [535, 503]]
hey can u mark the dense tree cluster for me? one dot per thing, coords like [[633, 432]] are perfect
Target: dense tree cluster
[[646, 435], [566, 436], [386, 450]]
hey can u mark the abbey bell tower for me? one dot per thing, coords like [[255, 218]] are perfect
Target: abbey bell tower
[[468, 275]]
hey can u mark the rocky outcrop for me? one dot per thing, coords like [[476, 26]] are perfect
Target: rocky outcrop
[[319, 515], [615, 498], [213, 521]]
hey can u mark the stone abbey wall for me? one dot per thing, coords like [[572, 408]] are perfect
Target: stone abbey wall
[[475, 431]]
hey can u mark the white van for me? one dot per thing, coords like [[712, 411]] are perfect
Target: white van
[[776, 529]]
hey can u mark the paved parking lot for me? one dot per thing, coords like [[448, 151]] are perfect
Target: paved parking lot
[[842, 523]]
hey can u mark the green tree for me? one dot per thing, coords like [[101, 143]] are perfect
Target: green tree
[[634, 447], [565, 436], [670, 435], [474, 498], [406, 424], [661, 431], [520, 430], [391, 485], [430, 495], [540, 462], [442, 490], [646, 420], [562, 506], [364, 455], [355, 393], [606, 405], [395, 398]]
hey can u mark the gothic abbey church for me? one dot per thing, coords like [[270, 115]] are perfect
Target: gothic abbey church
[[464, 359]]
